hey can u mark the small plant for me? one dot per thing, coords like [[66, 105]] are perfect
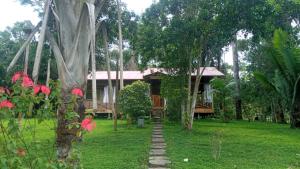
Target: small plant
[[216, 144], [134, 100]]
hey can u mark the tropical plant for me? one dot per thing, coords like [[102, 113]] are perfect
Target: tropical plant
[[19, 141], [285, 56], [134, 99], [222, 90]]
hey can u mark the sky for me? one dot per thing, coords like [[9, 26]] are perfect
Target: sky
[[12, 11]]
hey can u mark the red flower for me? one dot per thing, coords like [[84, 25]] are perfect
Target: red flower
[[27, 82], [88, 124], [36, 89], [46, 90], [6, 104], [17, 76], [77, 91]]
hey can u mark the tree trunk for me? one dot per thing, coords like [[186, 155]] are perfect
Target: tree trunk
[[195, 93], [295, 115], [94, 83], [77, 40], [188, 103], [110, 91], [238, 101], [120, 44], [48, 72], [38, 55], [26, 59], [115, 115]]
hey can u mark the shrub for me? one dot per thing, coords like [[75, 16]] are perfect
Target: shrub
[[134, 99]]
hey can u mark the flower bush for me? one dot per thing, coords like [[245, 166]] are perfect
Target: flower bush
[[34, 104]]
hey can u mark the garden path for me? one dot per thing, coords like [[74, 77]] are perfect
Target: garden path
[[157, 154]]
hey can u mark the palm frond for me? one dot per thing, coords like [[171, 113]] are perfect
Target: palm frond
[[264, 81], [282, 56]]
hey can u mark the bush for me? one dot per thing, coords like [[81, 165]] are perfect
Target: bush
[[134, 99]]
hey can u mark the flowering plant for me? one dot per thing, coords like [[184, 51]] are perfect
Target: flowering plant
[[23, 108]]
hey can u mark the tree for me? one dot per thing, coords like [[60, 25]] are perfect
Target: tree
[[183, 36], [285, 55], [238, 101], [71, 34]]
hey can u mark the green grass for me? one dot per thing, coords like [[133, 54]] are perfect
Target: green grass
[[124, 149], [104, 148], [244, 145]]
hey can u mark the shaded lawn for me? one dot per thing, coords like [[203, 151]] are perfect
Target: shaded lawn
[[244, 145], [104, 148]]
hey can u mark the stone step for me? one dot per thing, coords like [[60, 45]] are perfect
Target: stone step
[[157, 152], [159, 161], [157, 130], [158, 140], [159, 144], [157, 136], [158, 147]]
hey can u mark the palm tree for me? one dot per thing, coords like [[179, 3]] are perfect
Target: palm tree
[[285, 55]]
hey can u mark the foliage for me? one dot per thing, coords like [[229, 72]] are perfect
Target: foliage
[[134, 99], [285, 55], [222, 92], [10, 41], [19, 140], [174, 91]]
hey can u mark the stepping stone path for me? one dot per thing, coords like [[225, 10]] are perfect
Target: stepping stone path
[[157, 154]]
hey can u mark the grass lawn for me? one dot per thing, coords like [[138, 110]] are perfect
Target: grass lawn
[[124, 149], [244, 145], [104, 148]]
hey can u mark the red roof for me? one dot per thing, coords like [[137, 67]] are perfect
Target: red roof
[[138, 75]]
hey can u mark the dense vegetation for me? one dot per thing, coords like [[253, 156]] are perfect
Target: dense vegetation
[[180, 36]]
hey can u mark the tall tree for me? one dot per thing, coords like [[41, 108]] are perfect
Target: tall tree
[[236, 74], [120, 43], [183, 36], [110, 88]]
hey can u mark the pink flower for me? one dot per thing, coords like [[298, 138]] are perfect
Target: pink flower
[[88, 124], [77, 91], [27, 82], [36, 89], [46, 90], [17, 76], [6, 104]]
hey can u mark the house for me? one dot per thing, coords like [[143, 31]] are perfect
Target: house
[[153, 77]]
